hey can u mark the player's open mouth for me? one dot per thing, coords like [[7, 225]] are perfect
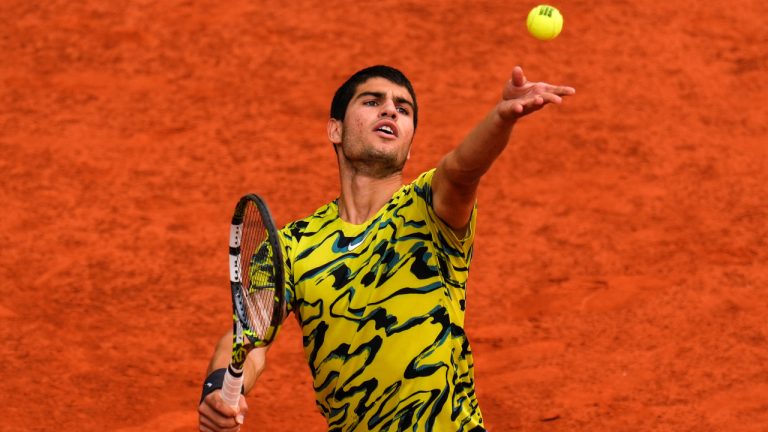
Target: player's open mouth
[[387, 128]]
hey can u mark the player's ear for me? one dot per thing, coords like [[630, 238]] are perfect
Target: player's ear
[[334, 131]]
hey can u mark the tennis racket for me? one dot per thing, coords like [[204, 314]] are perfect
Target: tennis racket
[[257, 284]]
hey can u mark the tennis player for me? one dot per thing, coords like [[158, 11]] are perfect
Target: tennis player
[[377, 278]]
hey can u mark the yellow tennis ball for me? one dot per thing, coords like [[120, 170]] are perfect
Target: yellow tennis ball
[[544, 22]]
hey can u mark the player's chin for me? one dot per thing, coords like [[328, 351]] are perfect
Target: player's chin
[[385, 166]]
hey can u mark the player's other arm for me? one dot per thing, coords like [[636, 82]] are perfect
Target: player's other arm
[[214, 413], [458, 174]]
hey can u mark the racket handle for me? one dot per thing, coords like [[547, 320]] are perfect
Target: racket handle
[[230, 390]]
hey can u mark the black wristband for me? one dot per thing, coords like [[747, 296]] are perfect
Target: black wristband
[[214, 381]]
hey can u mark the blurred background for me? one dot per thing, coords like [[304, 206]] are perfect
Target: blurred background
[[621, 259]]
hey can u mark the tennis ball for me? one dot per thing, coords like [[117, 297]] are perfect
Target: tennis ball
[[544, 22]]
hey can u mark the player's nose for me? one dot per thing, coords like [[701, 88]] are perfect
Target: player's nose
[[388, 109]]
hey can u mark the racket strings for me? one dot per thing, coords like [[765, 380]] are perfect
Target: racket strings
[[258, 270]]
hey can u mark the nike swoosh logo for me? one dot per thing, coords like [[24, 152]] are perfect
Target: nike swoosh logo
[[352, 246]]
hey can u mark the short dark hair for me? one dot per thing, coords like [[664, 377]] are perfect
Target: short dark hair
[[347, 90]]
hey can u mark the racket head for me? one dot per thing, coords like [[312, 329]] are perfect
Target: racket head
[[257, 279]]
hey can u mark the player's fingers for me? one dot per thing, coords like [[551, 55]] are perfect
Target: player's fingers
[[217, 402], [540, 88], [527, 105], [551, 98], [558, 90], [510, 110], [214, 419], [564, 90], [204, 428], [533, 100], [540, 99], [206, 425], [240, 418], [217, 429], [518, 77]]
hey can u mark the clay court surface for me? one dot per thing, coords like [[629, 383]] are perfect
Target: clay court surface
[[620, 275]]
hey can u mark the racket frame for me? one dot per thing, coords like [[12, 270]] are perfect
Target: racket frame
[[243, 338]]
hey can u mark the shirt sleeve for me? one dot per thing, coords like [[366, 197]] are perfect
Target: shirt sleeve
[[441, 231], [288, 244]]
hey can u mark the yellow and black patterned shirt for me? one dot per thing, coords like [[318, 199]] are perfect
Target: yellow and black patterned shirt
[[381, 307]]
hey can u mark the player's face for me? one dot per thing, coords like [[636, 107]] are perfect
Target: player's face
[[377, 130]]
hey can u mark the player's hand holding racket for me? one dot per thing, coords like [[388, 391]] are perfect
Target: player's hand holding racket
[[258, 295]]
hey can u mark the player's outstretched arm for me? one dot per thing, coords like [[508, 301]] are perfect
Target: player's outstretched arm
[[214, 414], [459, 172]]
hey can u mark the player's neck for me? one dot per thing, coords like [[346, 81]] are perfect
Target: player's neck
[[362, 196]]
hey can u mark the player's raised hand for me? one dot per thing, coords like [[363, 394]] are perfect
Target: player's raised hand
[[521, 97]]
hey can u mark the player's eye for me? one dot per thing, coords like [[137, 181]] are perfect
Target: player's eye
[[403, 111], [370, 103]]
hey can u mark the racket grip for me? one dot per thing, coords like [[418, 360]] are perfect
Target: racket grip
[[230, 390]]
